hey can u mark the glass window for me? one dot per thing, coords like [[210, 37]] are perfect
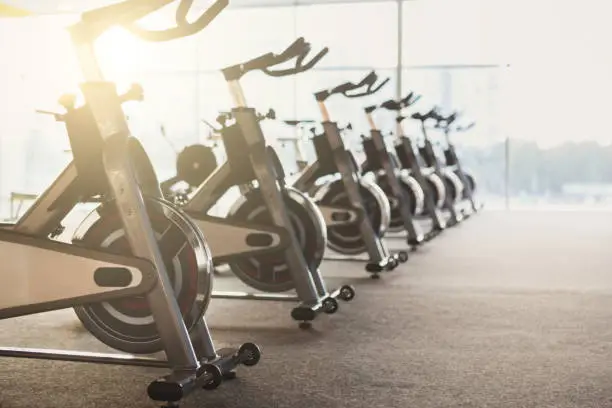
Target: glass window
[[170, 107], [121, 55], [32, 146], [476, 94], [213, 97], [241, 34], [357, 34], [449, 32], [428, 83]]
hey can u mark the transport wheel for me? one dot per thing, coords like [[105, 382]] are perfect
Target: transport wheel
[[347, 293], [270, 273], [127, 324]]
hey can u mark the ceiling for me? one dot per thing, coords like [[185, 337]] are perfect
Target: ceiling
[[68, 6]]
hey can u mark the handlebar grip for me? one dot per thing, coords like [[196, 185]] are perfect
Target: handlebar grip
[[183, 29], [368, 91], [433, 114], [406, 100], [451, 118], [369, 80], [182, 11], [414, 100], [315, 60], [447, 120], [383, 83], [343, 89], [298, 64], [298, 47]]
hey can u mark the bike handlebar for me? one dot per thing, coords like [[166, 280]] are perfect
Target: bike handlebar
[[465, 128], [395, 105], [432, 114], [127, 13], [299, 50], [445, 121], [369, 82]]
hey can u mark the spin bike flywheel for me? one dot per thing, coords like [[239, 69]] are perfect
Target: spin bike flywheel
[[471, 182], [270, 273], [347, 239], [437, 188], [195, 163], [127, 324], [416, 198], [454, 186]]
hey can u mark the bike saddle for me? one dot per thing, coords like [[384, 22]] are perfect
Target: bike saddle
[[297, 122]]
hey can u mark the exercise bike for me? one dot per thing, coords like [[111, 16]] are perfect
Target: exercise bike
[[274, 237], [409, 160], [453, 186], [451, 160], [350, 196], [138, 272], [404, 192]]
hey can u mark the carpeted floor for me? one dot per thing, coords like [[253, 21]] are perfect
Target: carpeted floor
[[507, 310]]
